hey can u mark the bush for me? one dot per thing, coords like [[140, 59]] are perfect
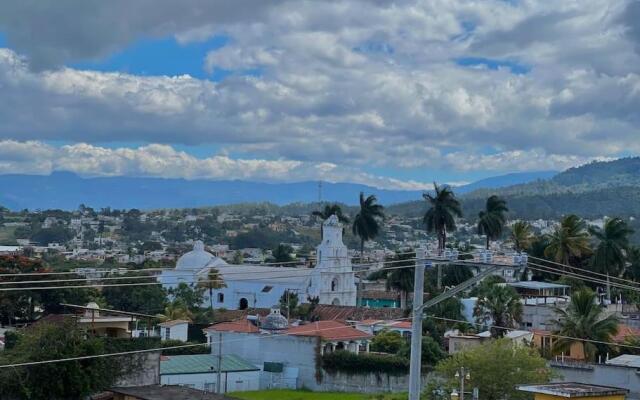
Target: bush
[[344, 361], [387, 342]]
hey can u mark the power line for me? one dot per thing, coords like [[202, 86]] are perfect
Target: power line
[[585, 270]]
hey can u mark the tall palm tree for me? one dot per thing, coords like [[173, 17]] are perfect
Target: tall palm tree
[[610, 255], [569, 241], [584, 319], [440, 217], [499, 306], [521, 235], [402, 279], [492, 219], [366, 224], [211, 282]]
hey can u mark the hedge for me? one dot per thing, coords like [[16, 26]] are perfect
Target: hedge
[[344, 361]]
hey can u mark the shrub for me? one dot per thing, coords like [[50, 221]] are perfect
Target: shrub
[[344, 361]]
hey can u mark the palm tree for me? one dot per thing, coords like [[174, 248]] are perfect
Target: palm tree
[[633, 271], [569, 241], [499, 306], [212, 281], [492, 219], [175, 310], [613, 244], [584, 319], [440, 217], [329, 210], [366, 224], [521, 235], [402, 279]]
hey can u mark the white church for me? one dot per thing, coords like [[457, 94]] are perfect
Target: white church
[[332, 280]]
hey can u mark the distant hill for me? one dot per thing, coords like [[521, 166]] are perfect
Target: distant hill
[[592, 190], [65, 190]]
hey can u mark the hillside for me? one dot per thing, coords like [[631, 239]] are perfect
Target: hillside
[[592, 190]]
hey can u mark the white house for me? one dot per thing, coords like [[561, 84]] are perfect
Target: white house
[[174, 330], [200, 371], [332, 281]]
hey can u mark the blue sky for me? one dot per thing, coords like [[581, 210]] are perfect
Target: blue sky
[[286, 91]]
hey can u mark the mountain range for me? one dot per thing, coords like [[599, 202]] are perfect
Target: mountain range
[[64, 190]]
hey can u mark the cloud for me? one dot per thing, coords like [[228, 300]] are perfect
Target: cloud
[[341, 86]]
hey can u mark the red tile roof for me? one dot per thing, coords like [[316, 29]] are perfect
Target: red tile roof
[[328, 330], [625, 331], [242, 326], [324, 312]]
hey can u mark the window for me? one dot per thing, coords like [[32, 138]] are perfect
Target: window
[[220, 297], [267, 289], [167, 333], [334, 284]]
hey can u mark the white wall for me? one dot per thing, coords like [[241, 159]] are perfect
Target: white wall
[[230, 381], [252, 291], [292, 351], [176, 332]]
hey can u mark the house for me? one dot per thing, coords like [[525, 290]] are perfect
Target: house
[[457, 341], [332, 281], [174, 330], [286, 355], [373, 326], [200, 371], [105, 322], [566, 390], [157, 392]]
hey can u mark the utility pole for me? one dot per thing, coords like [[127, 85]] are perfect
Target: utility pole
[[416, 333], [219, 378]]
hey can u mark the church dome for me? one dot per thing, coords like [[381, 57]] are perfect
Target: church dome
[[197, 258], [275, 321]]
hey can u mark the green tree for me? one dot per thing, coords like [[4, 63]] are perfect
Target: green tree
[[633, 271], [366, 224], [213, 281], [67, 380], [190, 296], [282, 254], [521, 236], [329, 210], [569, 241], [387, 342], [584, 319], [142, 299], [500, 307], [289, 303], [613, 243], [444, 207], [401, 279], [177, 309], [492, 219], [496, 368], [432, 352], [238, 258]]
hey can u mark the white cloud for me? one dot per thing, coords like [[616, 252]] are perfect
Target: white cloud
[[342, 86]]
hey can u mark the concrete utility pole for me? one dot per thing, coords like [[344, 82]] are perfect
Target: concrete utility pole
[[418, 310], [219, 378], [416, 333]]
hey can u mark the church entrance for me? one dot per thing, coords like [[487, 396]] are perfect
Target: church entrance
[[336, 302], [244, 304]]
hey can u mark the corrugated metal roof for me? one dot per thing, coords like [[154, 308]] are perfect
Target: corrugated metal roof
[[625, 360], [536, 285], [203, 363]]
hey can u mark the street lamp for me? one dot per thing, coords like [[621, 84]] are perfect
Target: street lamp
[[463, 375]]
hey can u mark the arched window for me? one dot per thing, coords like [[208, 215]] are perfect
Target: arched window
[[220, 297], [244, 304]]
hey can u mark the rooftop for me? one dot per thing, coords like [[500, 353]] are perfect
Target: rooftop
[[173, 323], [157, 392], [241, 326], [535, 285], [625, 360], [328, 330], [573, 390], [203, 363]]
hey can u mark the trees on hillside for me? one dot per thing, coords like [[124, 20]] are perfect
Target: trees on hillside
[[492, 219], [367, 222], [584, 319], [444, 207]]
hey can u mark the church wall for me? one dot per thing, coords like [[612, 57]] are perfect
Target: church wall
[[236, 290]]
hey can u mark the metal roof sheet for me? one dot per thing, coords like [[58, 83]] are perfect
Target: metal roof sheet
[[203, 363]]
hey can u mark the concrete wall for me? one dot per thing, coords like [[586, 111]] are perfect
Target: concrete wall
[[601, 374], [367, 383], [147, 374], [230, 382], [292, 351]]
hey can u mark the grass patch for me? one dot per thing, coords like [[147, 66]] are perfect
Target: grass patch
[[280, 394]]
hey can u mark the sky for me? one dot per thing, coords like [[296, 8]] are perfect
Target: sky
[[391, 94]]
